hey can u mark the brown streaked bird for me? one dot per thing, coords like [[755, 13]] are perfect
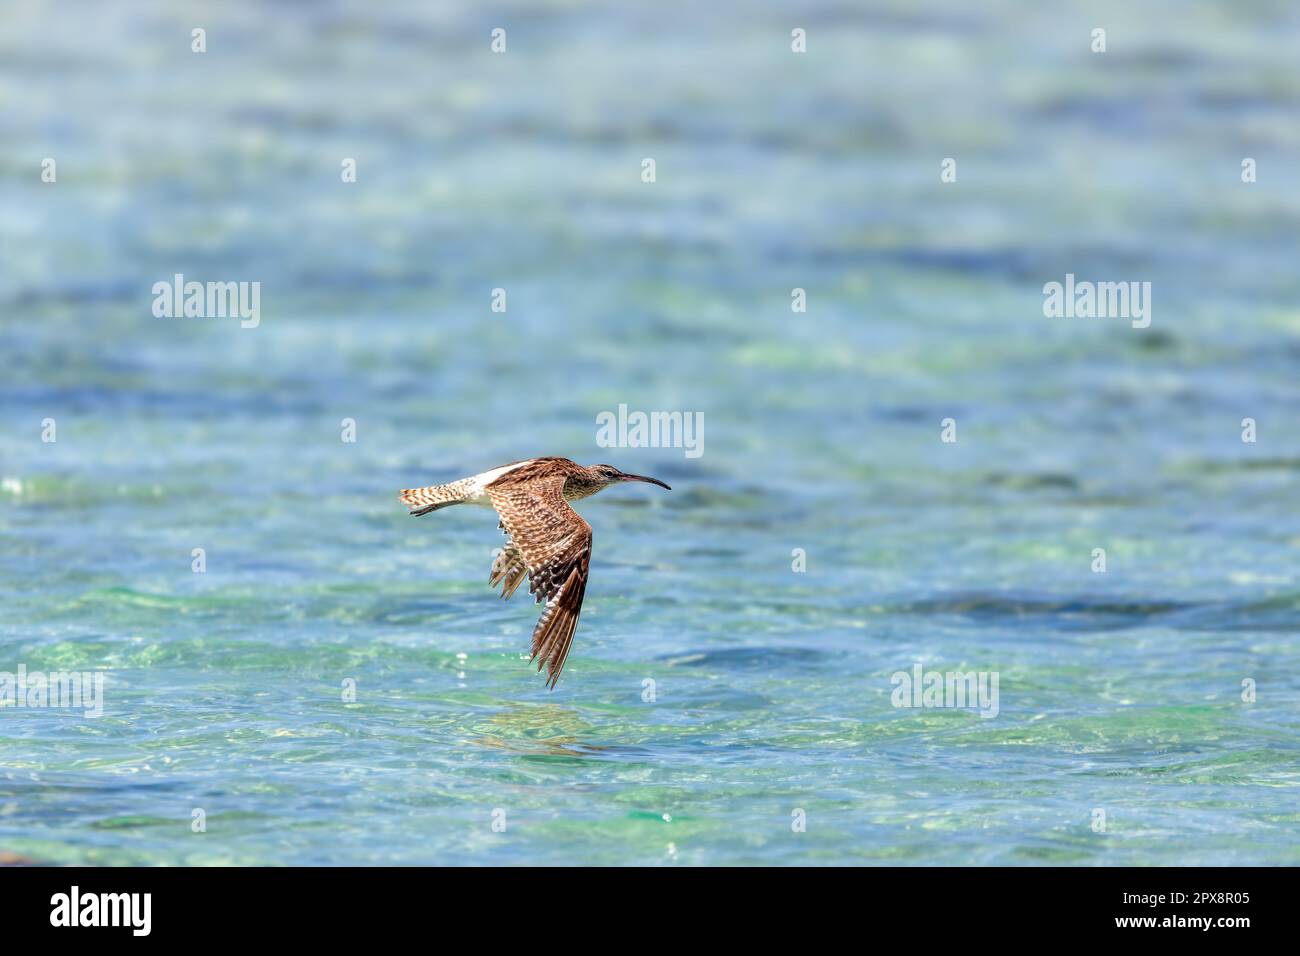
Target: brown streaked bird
[[545, 538]]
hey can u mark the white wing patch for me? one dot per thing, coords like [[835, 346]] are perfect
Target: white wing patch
[[477, 491]]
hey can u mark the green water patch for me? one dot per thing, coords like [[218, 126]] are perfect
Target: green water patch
[[1148, 729]]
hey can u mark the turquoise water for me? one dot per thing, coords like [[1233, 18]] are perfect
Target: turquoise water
[[223, 692]]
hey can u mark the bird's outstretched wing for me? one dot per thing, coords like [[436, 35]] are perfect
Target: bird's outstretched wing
[[508, 569], [555, 545]]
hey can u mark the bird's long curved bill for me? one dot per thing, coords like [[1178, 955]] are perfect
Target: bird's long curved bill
[[651, 481]]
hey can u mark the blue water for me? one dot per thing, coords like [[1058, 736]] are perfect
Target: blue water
[[224, 691]]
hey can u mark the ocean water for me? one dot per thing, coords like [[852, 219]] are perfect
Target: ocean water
[[1120, 692]]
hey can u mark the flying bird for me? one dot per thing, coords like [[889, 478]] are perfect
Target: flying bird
[[545, 538]]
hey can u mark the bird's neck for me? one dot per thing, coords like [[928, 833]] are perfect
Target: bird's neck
[[582, 486]]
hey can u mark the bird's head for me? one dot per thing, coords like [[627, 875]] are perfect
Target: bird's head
[[609, 475]]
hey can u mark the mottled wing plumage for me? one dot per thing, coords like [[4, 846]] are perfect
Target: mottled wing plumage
[[508, 569], [555, 546]]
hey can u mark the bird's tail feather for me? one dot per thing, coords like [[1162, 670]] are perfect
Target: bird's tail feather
[[432, 497]]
